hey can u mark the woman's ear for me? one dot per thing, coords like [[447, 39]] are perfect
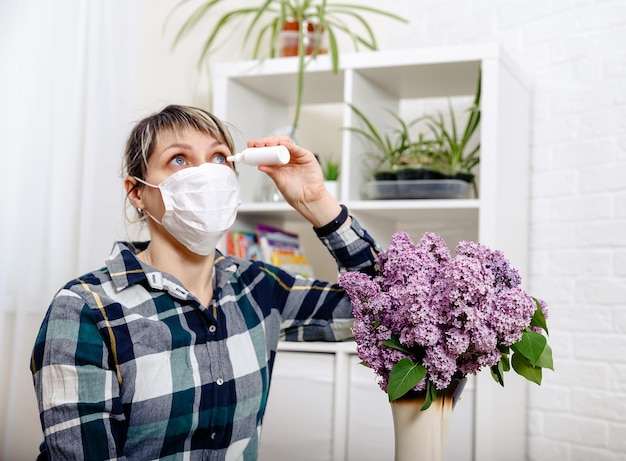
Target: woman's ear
[[133, 192]]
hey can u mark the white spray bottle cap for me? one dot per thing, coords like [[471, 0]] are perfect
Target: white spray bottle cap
[[270, 155]]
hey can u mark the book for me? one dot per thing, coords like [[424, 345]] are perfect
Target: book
[[243, 244], [282, 248]]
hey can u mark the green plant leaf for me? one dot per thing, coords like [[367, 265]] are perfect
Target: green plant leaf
[[335, 7], [193, 19], [267, 20], [497, 372], [531, 346], [523, 367], [505, 362], [538, 319], [404, 376], [333, 47], [373, 134], [545, 359], [221, 23], [258, 13], [330, 169], [394, 342], [368, 39], [431, 395]]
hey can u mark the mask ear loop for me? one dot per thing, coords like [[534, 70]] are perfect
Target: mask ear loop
[[146, 212], [143, 213], [144, 182]]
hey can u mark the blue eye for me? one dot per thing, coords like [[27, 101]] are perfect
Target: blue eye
[[178, 160], [219, 158]]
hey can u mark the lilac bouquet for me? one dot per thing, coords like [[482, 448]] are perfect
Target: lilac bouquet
[[426, 318]]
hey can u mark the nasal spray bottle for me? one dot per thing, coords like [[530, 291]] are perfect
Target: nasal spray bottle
[[254, 156]]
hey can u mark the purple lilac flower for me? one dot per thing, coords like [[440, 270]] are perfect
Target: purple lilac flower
[[453, 312]]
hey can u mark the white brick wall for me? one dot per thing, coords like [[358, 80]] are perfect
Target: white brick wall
[[574, 53]]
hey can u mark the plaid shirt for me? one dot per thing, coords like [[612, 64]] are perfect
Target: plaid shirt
[[129, 365]]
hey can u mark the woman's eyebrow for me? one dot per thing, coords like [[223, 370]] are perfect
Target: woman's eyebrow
[[178, 145], [184, 145]]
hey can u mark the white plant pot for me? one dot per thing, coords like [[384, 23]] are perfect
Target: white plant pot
[[333, 188]]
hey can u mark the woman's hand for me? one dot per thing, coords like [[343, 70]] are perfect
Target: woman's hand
[[301, 181]]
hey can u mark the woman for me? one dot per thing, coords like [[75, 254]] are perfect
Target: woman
[[167, 351]]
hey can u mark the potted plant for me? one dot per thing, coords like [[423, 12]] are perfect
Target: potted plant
[[269, 17], [431, 155], [421, 155], [391, 152], [330, 170], [457, 156]]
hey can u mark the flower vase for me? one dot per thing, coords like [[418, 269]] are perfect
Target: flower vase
[[422, 435]]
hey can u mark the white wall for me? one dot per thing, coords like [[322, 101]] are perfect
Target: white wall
[[573, 53]]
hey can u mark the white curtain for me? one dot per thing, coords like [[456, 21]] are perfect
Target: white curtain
[[67, 95]]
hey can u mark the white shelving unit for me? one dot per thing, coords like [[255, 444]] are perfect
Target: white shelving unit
[[257, 99]]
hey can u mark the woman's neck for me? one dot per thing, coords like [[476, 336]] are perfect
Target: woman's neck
[[194, 271]]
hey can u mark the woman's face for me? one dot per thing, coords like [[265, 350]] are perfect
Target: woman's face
[[173, 152]]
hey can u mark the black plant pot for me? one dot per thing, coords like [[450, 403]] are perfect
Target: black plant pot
[[410, 174], [467, 177], [433, 174], [385, 176]]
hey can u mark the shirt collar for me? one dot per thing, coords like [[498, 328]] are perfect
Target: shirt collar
[[126, 269]]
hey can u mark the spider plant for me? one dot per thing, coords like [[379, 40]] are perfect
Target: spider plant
[[455, 152], [394, 149], [267, 18]]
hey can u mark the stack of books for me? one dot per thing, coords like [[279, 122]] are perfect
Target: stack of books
[[271, 245]]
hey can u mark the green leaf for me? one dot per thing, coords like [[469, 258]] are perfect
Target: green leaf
[[395, 343], [266, 21], [497, 371], [404, 376], [523, 367], [538, 319], [431, 395], [531, 346], [545, 359], [506, 364]]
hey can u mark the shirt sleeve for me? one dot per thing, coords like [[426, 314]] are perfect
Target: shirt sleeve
[[353, 248], [77, 388], [321, 311]]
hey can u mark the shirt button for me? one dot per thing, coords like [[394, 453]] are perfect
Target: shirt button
[[219, 381], [212, 328], [213, 436]]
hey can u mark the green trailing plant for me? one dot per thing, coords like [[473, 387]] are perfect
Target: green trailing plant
[[267, 18]]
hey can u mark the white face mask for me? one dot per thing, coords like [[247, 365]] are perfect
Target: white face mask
[[200, 205]]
